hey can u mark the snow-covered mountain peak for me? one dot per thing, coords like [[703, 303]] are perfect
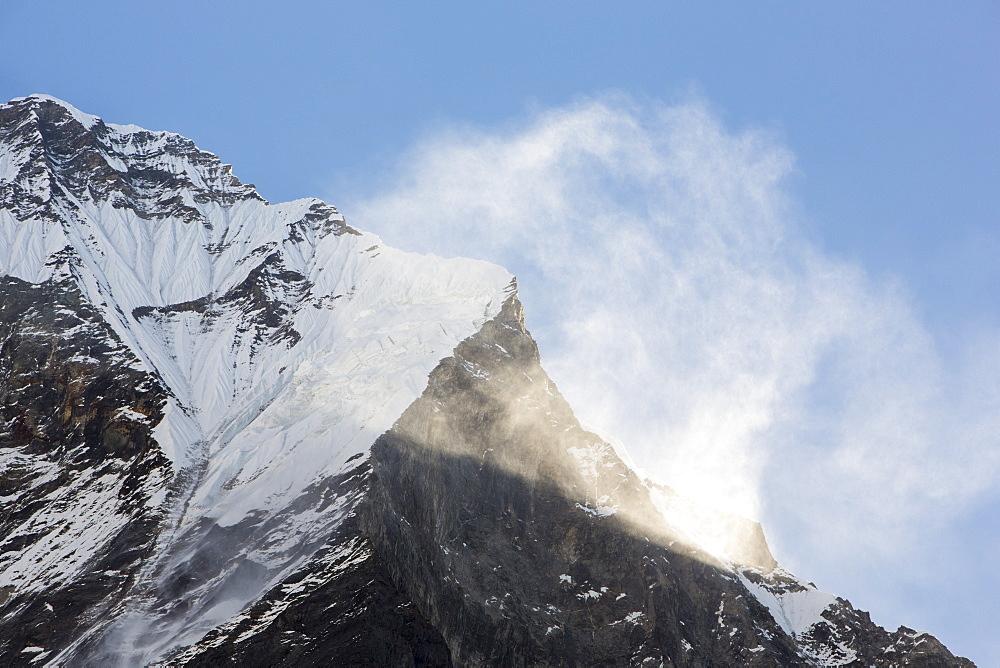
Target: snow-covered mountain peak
[[235, 431], [53, 150], [87, 120], [286, 340], [193, 269]]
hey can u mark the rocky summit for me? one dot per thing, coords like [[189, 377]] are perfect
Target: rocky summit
[[242, 433]]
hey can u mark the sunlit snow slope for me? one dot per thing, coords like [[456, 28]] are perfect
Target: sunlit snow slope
[[287, 340]]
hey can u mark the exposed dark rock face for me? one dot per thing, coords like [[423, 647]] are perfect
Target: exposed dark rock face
[[495, 529], [90, 164], [262, 302], [479, 541], [75, 439], [342, 609]]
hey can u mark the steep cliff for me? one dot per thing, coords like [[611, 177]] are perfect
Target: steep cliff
[[525, 540]]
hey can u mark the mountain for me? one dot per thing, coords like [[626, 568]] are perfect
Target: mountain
[[242, 433]]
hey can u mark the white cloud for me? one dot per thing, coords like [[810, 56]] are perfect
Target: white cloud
[[678, 307]]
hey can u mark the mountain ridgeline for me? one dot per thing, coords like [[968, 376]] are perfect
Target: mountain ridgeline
[[242, 433]]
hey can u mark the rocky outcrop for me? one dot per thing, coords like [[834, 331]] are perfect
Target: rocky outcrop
[[494, 530], [79, 468], [65, 155]]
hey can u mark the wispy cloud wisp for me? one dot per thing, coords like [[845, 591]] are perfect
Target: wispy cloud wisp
[[679, 307]]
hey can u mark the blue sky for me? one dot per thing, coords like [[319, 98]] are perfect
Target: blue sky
[[869, 130]]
